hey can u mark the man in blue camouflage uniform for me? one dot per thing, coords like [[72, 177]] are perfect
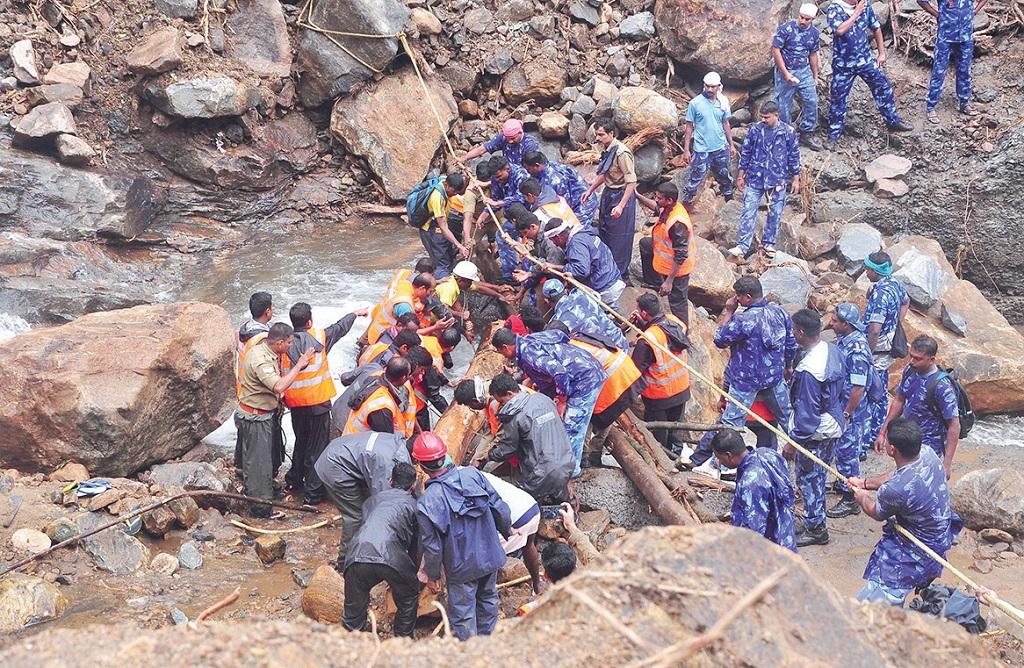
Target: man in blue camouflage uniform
[[707, 124], [852, 58], [764, 497], [861, 388], [505, 181], [817, 397], [762, 350], [955, 30], [795, 50], [769, 167], [558, 368], [582, 315], [887, 305], [916, 497], [512, 141], [937, 415], [565, 181]]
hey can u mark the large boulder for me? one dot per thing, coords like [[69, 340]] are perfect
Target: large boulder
[[991, 498], [257, 35], [540, 79], [739, 42], [25, 600], [202, 97], [330, 65], [856, 242], [710, 360], [636, 108], [922, 270], [390, 124], [712, 277], [116, 391], [791, 284]]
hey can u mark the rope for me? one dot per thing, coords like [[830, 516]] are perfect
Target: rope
[[988, 597]]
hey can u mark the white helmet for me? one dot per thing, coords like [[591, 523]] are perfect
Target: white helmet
[[467, 270], [712, 79]]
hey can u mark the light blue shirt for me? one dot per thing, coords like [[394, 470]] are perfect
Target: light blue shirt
[[707, 117]]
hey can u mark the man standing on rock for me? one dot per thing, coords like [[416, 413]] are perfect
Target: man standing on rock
[[617, 211], [914, 496], [257, 418], [769, 168], [436, 236], [955, 30], [707, 125], [565, 181], [795, 50], [669, 255], [852, 58], [512, 141]]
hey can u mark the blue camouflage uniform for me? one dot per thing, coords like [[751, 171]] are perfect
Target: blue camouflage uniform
[[557, 367], [568, 183], [590, 261], [859, 373], [764, 497], [581, 315], [852, 58], [955, 31], [513, 152], [761, 345], [796, 46], [770, 159], [916, 498], [460, 516], [913, 389], [710, 145], [885, 299], [817, 394], [509, 194]]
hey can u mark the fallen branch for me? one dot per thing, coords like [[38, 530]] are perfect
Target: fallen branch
[[607, 616], [689, 426], [219, 605], [517, 581], [647, 481], [371, 209], [275, 532]]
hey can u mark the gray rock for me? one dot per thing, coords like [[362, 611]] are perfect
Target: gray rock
[[499, 62], [6, 84], [570, 94], [27, 600], [922, 277], [478, 20], [638, 27], [584, 105], [461, 78], [190, 476], [73, 150], [650, 161], [881, 10], [112, 550], [302, 576], [68, 94], [953, 321], [217, 39], [177, 9], [257, 36], [158, 53], [856, 242], [887, 166], [60, 529], [515, 11], [617, 65], [742, 117], [543, 25], [581, 10], [613, 490], [189, 556], [991, 498], [578, 129], [788, 283], [212, 97], [23, 61], [178, 617], [45, 121]]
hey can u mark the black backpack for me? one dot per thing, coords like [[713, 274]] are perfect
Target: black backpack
[[964, 408], [416, 202]]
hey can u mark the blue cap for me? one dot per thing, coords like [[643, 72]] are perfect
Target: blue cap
[[553, 287], [850, 314]]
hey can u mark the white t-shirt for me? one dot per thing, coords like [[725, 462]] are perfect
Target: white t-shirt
[[520, 503]]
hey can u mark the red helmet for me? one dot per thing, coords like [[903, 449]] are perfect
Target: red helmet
[[428, 447]]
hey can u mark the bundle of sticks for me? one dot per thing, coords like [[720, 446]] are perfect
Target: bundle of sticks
[[648, 135]]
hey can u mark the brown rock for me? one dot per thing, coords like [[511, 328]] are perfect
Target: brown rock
[[76, 73], [158, 521], [26, 600], [704, 355], [991, 499], [160, 52], [269, 548], [73, 150], [43, 122], [425, 21], [69, 94], [469, 109], [982, 566], [257, 35], [553, 125], [996, 535], [323, 599], [186, 511], [512, 570], [815, 241], [73, 394], [539, 79], [166, 564], [636, 108], [712, 277], [70, 472], [104, 499], [887, 166]]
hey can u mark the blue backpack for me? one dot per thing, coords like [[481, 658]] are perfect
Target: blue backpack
[[416, 202]]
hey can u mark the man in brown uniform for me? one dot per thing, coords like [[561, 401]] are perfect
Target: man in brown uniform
[[257, 418], [616, 217]]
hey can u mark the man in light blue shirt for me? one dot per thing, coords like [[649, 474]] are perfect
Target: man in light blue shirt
[[707, 126]]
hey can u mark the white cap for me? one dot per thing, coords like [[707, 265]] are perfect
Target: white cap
[[809, 9], [467, 270], [712, 79]]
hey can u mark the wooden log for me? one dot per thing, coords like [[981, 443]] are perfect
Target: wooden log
[[647, 481], [689, 426]]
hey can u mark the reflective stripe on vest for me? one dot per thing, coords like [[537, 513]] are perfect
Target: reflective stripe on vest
[[559, 209], [664, 254], [371, 353], [621, 370], [381, 399], [240, 359], [314, 384], [384, 318], [666, 377]]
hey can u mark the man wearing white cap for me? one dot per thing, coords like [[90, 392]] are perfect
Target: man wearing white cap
[[795, 50], [707, 126]]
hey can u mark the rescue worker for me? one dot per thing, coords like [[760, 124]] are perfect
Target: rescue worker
[[505, 181], [708, 127], [386, 549], [309, 397], [473, 207], [667, 382], [531, 276], [436, 236], [427, 385], [852, 24], [670, 253], [795, 50], [532, 433], [557, 368], [354, 468], [408, 297], [914, 496], [460, 517], [764, 498], [581, 314], [473, 392], [380, 353], [565, 181], [525, 514], [616, 220], [769, 168], [400, 283], [466, 277], [251, 333], [385, 403], [512, 141], [257, 418], [955, 31], [587, 258], [545, 203], [818, 389]]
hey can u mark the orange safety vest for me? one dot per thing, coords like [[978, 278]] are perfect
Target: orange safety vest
[[433, 347], [380, 399], [666, 377], [314, 384], [664, 255], [559, 209], [371, 353], [240, 359], [621, 370], [384, 315], [492, 411], [456, 204]]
